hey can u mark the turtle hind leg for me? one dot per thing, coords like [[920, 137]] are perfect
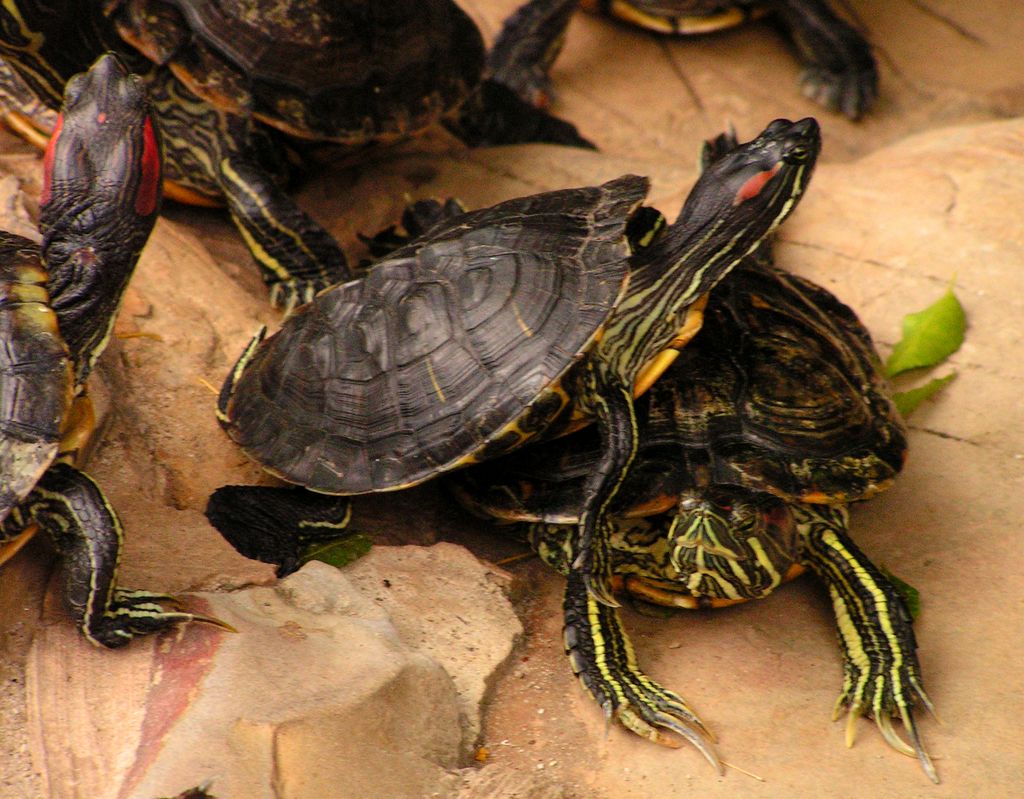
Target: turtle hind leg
[[839, 70], [494, 115], [296, 256], [527, 46], [70, 507], [277, 525], [603, 659], [881, 673]]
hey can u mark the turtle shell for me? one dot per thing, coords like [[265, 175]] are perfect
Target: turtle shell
[[347, 72], [36, 379], [450, 350], [679, 16], [779, 392]]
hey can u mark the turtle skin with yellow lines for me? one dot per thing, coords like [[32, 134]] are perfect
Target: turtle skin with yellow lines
[[839, 70], [99, 201], [752, 444], [246, 89]]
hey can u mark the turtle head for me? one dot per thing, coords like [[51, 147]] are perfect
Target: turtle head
[[732, 543], [100, 198], [754, 186]]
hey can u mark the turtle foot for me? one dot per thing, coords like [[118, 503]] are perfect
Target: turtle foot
[[602, 657], [883, 695], [851, 92], [134, 613]]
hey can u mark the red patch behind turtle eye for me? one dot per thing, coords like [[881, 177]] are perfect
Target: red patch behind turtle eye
[[754, 184], [44, 195], [149, 172]]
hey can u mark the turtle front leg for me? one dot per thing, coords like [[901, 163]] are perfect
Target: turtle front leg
[[882, 677], [839, 69], [527, 46], [277, 525], [612, 403], [296, 256], [603, 659], [70, 507]]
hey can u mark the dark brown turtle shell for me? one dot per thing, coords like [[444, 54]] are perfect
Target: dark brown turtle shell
[[779, 392], [347, 72], [36, 378], [450, 350]]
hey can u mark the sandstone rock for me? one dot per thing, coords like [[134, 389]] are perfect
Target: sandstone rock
[[444, 605], [319, 693]]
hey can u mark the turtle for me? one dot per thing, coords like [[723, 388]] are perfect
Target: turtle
[[752, 446], [839, 69], [100, 198], [244, 87], [528, 318]]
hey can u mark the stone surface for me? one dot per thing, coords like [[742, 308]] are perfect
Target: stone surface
[[320, 693], [444, 606]]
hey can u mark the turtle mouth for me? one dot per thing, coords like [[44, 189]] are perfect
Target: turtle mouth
[[792, 142]]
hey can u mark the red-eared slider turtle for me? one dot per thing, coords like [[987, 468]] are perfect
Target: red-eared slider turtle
[[752, 444], [499, 326], [100, 198], [238, 83], [839, 69]]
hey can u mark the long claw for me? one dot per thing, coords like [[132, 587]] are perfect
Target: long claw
[[213, 621], [851, 725], [918, 748], [884, 723], [600, 590]]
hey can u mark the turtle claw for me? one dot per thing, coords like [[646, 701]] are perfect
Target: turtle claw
[[135, 613], [602, 657], [882, 697]]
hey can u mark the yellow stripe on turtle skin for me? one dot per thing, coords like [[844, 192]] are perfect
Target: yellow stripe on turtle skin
[[656, 367], [35, 42], [94, 598], [264, 257], [224, 414], [671, 594], [26, 129]]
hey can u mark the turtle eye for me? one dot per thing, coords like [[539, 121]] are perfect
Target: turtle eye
[[796, 154], [149, 171], [51, 147]]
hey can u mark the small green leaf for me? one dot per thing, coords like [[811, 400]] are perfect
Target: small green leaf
[[340, 551], [929, 336], [907, 401], [910, 594]]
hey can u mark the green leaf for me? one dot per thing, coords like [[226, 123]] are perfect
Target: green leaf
[[340, 551], [910, 594], [929, 336], [907, 401]]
